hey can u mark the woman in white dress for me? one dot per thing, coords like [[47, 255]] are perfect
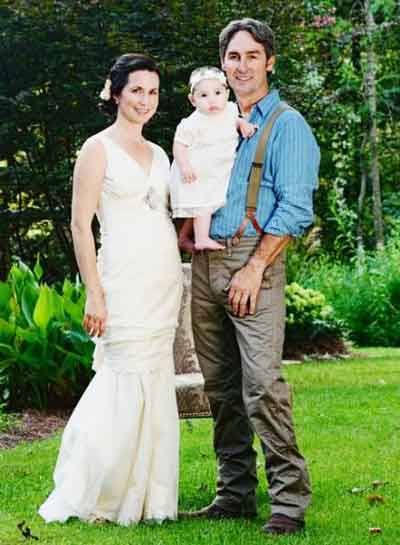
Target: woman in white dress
[[118, 459]]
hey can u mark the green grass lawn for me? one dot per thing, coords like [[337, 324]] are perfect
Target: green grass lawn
[[348, 424]]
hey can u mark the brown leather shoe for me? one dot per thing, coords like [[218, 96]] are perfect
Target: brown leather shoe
[[281, 524], [215, 512]]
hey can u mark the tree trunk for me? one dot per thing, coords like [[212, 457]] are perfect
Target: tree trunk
[[361, 196], [370, 91]]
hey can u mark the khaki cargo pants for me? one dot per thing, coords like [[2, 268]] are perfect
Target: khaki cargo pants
[[241, 362]]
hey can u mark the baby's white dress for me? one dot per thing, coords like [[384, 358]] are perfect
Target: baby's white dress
[[212, 141]]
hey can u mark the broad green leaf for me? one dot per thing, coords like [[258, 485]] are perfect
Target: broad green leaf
[[38, 270], [78, 283], [29, 335], [28, 302], [14, 307], [20, 272], [68, 353], [6, 362], [43, 312], [16, 277], [79, 336], [5, 325], [7, 349], [74, 310], [16, 274], [67, 289], [57, 305], [5, 294], [7, 331], [20, 276]]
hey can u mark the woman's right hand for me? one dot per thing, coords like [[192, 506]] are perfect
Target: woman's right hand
[[94, 320]]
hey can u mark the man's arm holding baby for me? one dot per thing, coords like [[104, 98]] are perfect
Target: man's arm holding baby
[[186, 244]]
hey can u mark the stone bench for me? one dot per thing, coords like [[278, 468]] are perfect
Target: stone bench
[[192, 401]]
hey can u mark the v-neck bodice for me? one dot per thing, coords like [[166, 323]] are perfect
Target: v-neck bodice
[[129, 196], [129, 156]]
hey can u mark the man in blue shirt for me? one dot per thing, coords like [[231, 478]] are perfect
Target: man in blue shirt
[[238, 308]]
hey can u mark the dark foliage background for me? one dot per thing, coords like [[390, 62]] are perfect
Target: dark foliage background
[[337, 63], [54, 57]]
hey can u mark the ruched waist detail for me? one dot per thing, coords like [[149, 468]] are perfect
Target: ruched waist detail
[[135, 355]]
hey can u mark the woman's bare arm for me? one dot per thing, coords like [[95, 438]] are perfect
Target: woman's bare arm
[[87, 182]]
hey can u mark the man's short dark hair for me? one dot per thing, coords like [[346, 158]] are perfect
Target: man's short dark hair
[[260, 31]]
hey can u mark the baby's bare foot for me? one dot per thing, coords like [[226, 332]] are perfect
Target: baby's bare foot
[[208, 244]]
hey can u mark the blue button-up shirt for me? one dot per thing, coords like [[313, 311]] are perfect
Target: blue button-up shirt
[[289, 179]]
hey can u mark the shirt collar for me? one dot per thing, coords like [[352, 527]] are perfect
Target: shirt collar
[[268, 103]]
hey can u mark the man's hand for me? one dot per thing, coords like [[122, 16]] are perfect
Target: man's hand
[[246, 283], [244, 288]]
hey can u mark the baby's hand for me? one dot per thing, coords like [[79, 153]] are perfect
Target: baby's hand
[[246, 129], [188, 174]]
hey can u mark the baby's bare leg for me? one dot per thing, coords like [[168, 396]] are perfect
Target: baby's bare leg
[[185, 237], [202, 240]]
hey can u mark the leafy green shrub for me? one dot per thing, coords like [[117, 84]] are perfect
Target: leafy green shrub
[[311, 324], [365, 294], [45, 356], [302, 253]]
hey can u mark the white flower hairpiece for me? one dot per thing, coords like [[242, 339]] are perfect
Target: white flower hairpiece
[[106, 91]]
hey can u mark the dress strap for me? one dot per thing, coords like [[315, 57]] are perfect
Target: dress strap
[[107, 143]]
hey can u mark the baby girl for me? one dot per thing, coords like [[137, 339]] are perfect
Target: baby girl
[[204, 152]]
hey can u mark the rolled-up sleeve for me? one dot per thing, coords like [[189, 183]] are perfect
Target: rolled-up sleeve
[[294, 169]]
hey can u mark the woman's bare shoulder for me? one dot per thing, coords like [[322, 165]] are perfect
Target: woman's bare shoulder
[[92, 156], [94, 145]]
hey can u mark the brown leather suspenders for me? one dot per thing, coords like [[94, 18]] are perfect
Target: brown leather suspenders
[[256, 175]]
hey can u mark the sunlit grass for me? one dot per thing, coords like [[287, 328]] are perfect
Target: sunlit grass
[[348, 423]]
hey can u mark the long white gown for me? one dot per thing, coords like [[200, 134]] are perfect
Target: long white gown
[[120, 449]]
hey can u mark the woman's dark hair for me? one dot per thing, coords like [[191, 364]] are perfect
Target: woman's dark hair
[[119, 75], [260, 31]]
